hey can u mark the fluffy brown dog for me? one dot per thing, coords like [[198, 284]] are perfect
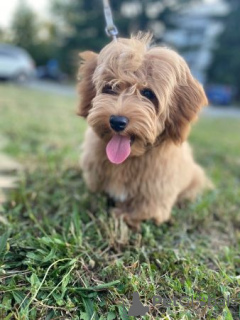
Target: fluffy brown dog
[[139, 103]]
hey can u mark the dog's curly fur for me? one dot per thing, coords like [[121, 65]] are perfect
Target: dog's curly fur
[[160, 170]]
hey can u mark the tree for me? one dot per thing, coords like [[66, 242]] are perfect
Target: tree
[[24, 27], [83, 26], [39, 39], [225, 67], [2, 35]]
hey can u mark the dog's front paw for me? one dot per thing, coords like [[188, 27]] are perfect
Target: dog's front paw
[[117, 212], [127, 218], [133, 223]]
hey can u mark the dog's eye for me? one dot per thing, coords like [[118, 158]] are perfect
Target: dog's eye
[[108, 89], [148, 93]]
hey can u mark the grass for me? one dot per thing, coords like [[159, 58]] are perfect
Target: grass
[[62, 256]]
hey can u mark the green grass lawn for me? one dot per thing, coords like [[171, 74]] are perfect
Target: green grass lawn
[[62, 256]]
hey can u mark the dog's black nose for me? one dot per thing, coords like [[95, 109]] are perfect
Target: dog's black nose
[[118, 123]]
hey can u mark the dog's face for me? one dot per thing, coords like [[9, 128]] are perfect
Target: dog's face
[[135, 97]]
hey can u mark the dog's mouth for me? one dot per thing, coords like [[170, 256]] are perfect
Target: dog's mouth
[[119, 148]]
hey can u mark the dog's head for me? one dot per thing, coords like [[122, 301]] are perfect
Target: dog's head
[[135, 97]]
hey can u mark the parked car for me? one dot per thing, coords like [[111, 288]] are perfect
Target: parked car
[[222, 95], [15, 63], [51, 71]]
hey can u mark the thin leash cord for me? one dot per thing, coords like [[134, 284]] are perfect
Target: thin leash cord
[[111, 29]]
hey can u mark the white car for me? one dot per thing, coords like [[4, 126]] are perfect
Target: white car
[[15, 63]]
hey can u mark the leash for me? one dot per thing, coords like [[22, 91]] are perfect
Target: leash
[[111, 29]]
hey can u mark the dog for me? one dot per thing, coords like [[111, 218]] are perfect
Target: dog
[[139, 102]]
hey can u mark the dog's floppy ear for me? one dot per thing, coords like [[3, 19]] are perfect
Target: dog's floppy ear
[[189, 97], [86, 87]]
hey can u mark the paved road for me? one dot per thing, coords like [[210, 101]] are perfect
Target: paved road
[[70, 90], [52, 87], [221, 112]]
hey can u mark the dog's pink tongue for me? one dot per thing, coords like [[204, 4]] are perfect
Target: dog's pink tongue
[[118, 149]]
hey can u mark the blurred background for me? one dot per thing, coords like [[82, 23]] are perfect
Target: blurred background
[[52, 32]]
